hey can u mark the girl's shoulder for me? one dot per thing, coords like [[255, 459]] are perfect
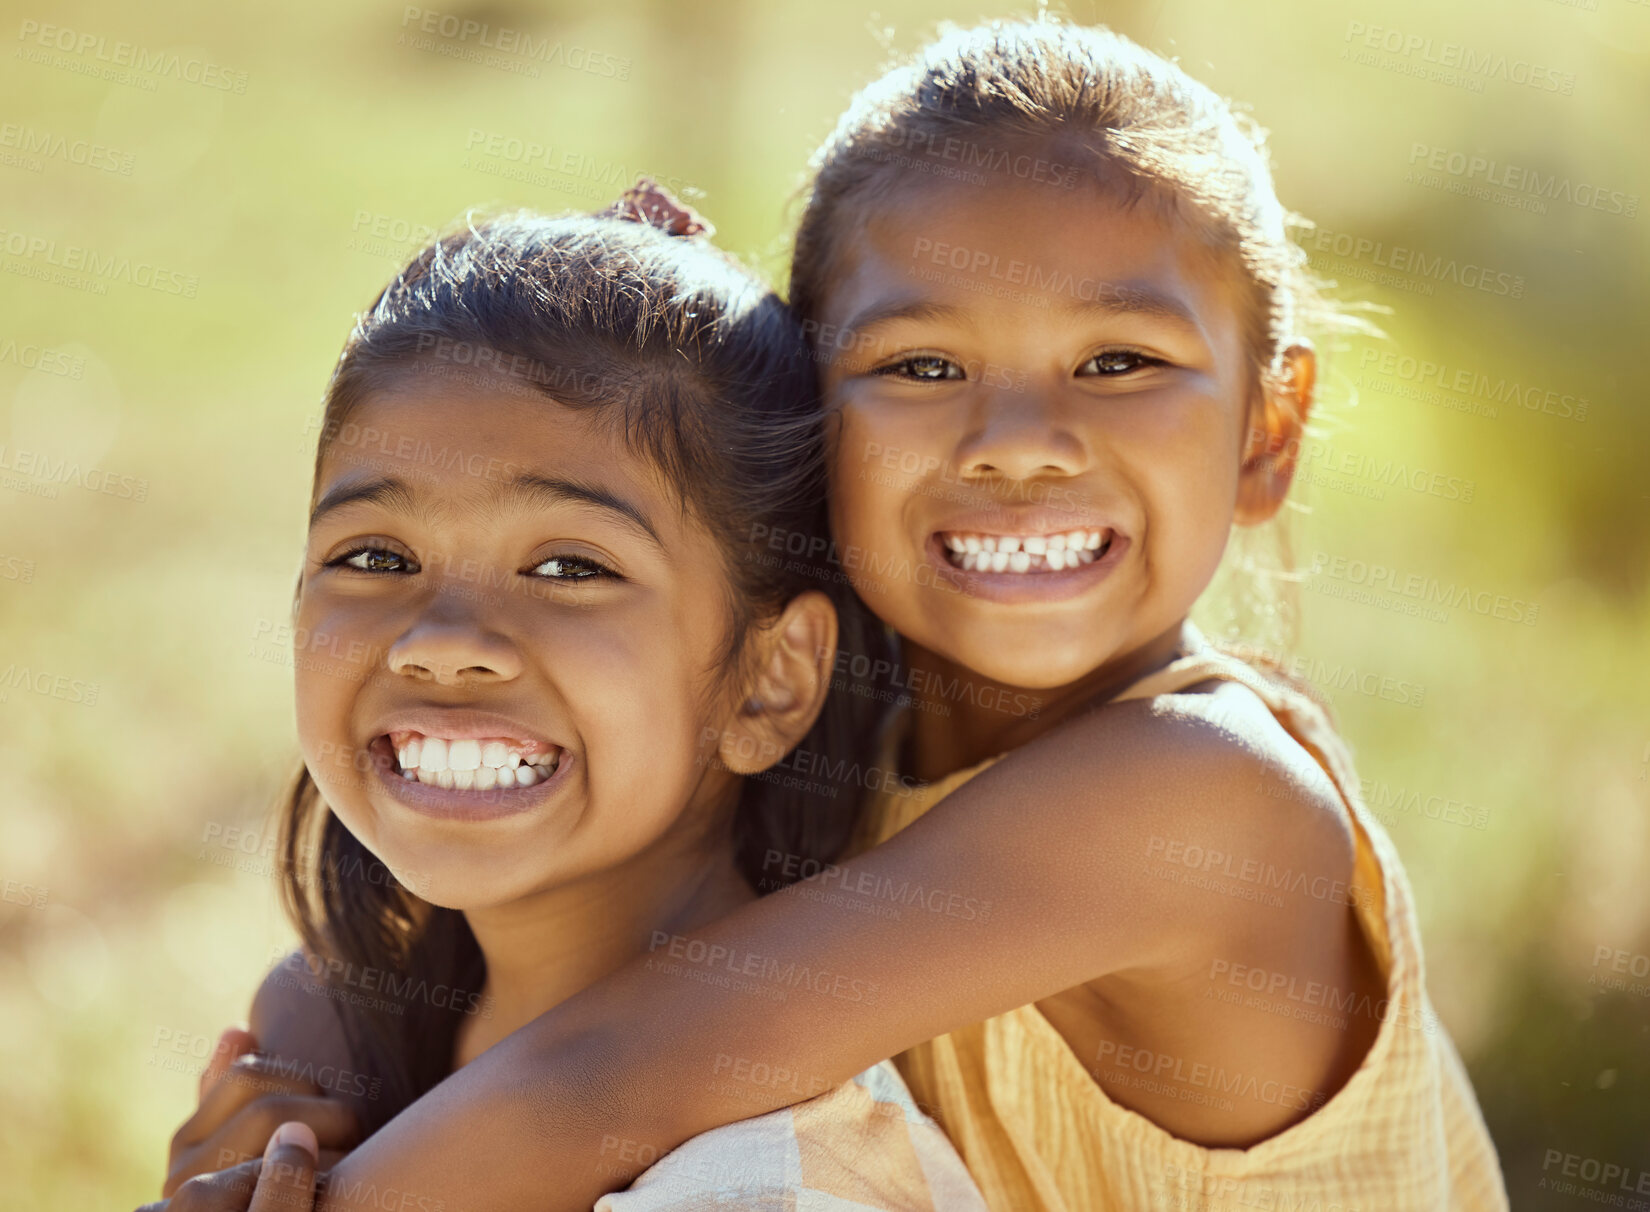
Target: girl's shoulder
[[1193, 782], [1219, 743]]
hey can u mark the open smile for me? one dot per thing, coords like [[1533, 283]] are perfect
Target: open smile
[[1026, 568], [1022, 555], [467, 778]]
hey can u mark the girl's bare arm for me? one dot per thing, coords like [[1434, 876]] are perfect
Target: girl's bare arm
[[1034, 877]]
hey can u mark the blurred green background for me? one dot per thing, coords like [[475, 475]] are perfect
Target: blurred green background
[[145, 705]]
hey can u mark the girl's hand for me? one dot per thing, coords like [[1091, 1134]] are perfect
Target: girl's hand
[[283, 1180], [244, 1096]]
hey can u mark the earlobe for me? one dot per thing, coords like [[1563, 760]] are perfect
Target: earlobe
[[794, 659]]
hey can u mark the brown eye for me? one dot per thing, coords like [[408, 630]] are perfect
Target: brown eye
[[373, 559], [1118, 362], [572, 568], [925, 367]]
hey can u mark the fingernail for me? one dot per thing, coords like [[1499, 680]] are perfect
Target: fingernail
[[293, 1132]]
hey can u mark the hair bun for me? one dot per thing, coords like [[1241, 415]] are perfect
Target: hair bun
[[649, 202]]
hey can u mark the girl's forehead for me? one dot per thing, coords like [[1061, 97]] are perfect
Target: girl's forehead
[[1028, 230], [453, 439], [1027, 246]]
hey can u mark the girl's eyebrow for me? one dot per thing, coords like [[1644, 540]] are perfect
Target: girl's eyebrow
[[390, 492], [528, 488], [1122, 299], [1084, 295], [900, 309]]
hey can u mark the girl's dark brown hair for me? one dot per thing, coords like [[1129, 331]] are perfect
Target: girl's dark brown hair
[[1051, 103], [706, 374]]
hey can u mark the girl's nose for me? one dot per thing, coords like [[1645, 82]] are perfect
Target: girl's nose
[[1019, 435], [450, 646]]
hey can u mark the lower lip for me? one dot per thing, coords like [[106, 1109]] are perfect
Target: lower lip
[[1015, 587], [451, 804]]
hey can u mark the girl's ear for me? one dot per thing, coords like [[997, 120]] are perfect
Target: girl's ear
[[795, 655], [1272, 446]]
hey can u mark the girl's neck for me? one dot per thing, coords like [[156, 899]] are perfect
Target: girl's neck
[[977, 718], [541, 950]]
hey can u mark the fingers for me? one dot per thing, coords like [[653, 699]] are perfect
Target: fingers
[[287, 1180], [332, 1121], [225, 1191], [242, 1079], [233, 1042], [282, 1180]]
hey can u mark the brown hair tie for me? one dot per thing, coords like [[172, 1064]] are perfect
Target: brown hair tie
[[649, 202]]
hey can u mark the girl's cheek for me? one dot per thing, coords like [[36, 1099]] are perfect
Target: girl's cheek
[[865, 445]]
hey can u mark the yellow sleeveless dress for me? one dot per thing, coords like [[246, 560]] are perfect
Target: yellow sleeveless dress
[[1040, 1134]]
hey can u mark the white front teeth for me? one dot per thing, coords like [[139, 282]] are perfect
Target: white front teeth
[[469, 764], [1032, 553], [499, 755]]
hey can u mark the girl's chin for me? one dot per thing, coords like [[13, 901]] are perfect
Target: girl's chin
[[1028, 670], [433, 871], [463, 891]]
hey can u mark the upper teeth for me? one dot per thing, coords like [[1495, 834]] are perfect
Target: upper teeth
[[472, 764], [976, 552]]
